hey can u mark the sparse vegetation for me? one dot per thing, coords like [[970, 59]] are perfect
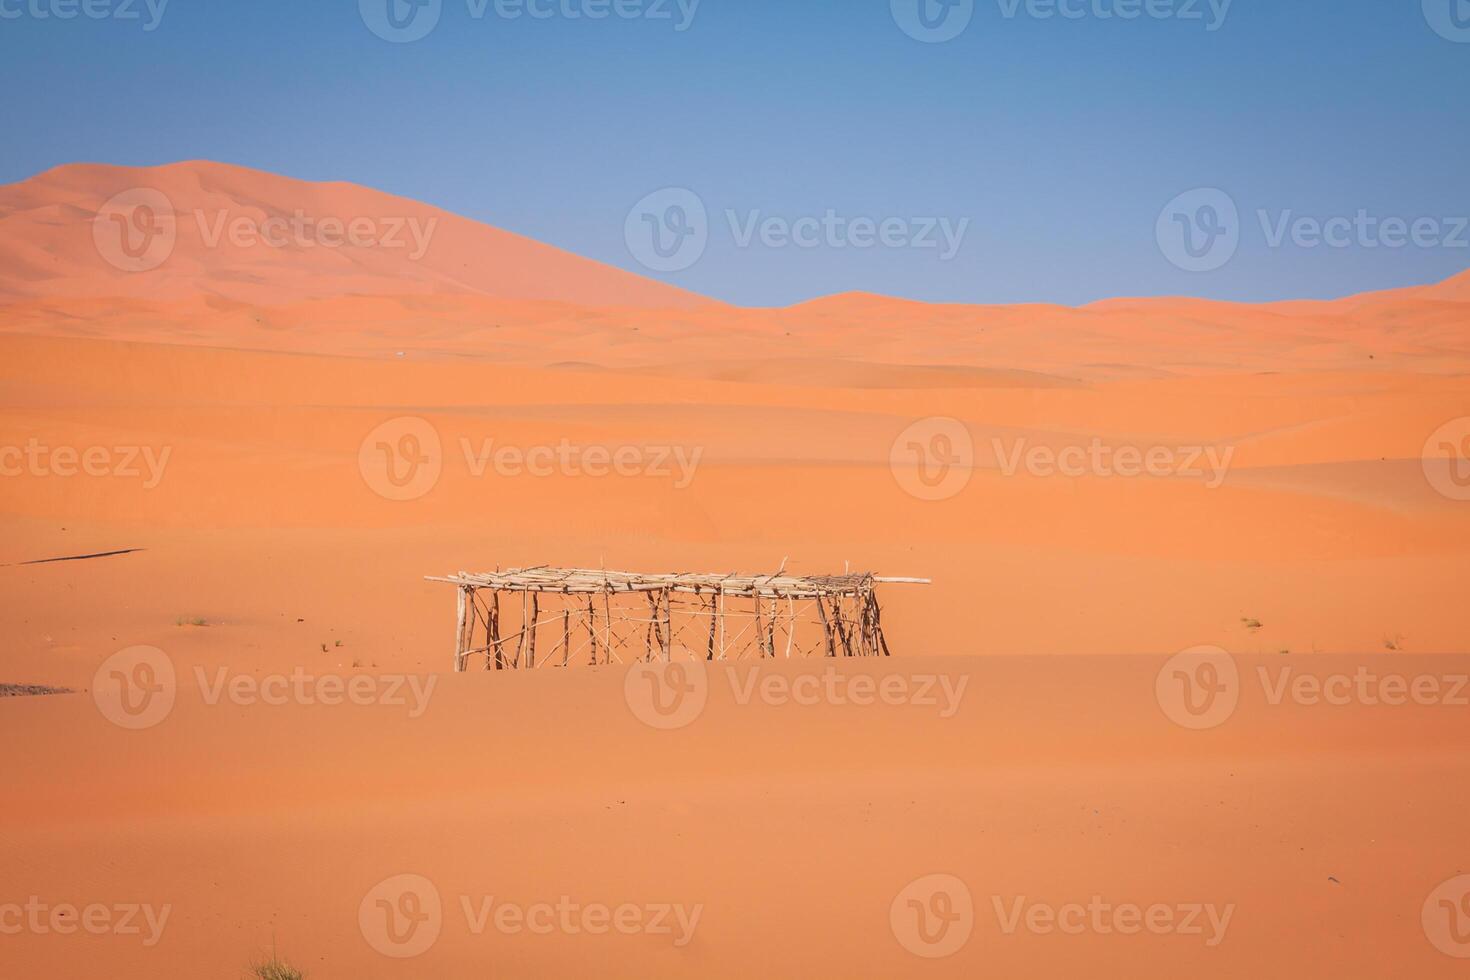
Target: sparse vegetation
[[1394, 643], [1251, 624], [275, 968], [191, 621], [29, 690]]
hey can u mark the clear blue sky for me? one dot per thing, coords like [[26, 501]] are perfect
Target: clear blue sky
[[1060, 139]]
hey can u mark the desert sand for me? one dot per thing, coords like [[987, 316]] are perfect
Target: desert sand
[[1297, 526]]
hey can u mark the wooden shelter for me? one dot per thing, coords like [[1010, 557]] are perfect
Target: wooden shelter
[[536, 617]]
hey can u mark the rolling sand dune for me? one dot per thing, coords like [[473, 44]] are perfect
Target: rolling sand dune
[[1295, 525]]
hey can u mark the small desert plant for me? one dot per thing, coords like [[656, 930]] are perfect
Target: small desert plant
[[191, 621], [1251, 624], [274, 968]]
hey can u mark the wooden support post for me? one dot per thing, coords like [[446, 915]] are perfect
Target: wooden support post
[[530, 631], [592, 629], [842, 631], [566, 636], [791, 625], [713, 620], [722, 622], [495, 645], [826, 627], [461, 642]]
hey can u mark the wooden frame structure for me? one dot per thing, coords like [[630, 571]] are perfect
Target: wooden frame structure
[[526, 618]]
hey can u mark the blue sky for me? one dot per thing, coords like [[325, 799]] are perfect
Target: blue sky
[[1056, 140]]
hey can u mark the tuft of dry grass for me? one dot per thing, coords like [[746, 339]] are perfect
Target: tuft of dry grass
[[275, 968]]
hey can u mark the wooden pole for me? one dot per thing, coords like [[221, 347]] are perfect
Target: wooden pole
[[530, 631], [826, 627], [713, 618], [592, 628], [495, 643], [461, 642], [566, 636]]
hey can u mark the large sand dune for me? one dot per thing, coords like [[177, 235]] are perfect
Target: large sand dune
[[243, 384]]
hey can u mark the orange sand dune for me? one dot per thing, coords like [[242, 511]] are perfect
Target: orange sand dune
[[233, 407], [246, 238], [461, 288]]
